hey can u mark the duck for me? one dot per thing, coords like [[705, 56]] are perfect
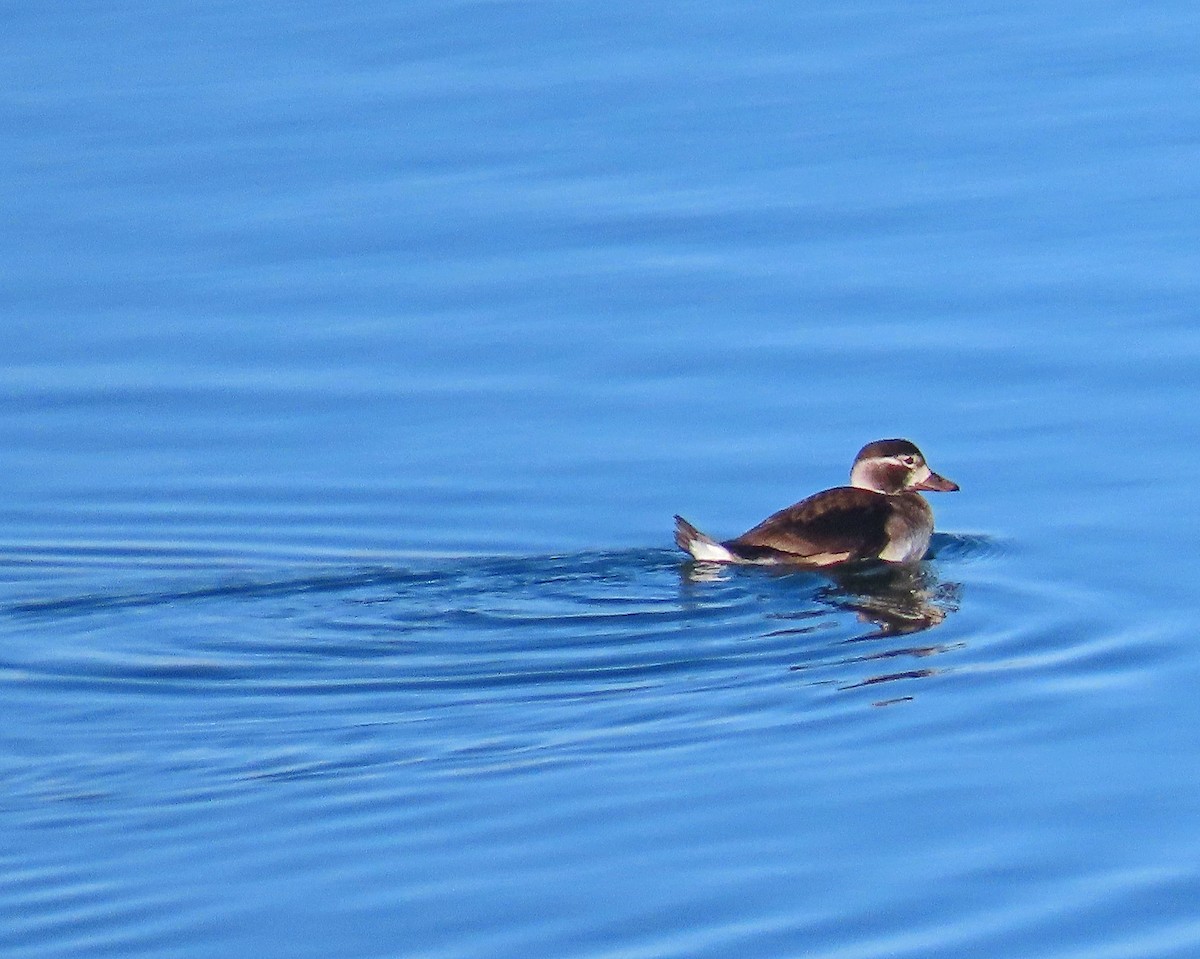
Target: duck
[[881, 515]]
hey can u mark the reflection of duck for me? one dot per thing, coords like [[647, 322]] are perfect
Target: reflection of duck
[[900, 601], [881, 515]]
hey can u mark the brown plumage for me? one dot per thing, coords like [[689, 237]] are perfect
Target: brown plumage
[[881, 516]]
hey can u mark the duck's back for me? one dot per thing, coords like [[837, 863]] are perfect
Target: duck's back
[[841, 525]]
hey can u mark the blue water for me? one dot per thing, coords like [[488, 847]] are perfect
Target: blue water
[[355, 359]]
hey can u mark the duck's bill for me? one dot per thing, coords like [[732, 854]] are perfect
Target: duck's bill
[[937, 484]]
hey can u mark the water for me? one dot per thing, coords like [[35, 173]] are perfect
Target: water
[[355, 360]]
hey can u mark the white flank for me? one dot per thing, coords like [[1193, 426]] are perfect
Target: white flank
[[907, 549], [707, 551]]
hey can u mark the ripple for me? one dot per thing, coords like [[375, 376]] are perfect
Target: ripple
[[590, 623], [337, 704], [966, 546], [100, 602]]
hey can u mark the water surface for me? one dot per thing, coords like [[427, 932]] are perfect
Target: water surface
[[355, 362]]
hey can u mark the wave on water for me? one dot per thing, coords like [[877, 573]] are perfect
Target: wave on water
[[589, 622], [207, 581]]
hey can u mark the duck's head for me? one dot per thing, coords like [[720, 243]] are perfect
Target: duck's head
[[895, 466]]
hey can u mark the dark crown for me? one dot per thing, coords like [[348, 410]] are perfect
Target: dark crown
[[887, 448]]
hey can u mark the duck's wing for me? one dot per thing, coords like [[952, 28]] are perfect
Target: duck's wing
[[835, 526]]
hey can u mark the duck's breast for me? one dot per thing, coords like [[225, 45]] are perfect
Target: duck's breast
[[909, 529]]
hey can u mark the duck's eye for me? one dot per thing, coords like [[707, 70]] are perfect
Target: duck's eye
[[909, 461]]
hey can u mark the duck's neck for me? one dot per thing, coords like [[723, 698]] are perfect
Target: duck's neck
[[879, 477]]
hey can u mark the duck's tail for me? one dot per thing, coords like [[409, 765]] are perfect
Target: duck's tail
[[702, 546]]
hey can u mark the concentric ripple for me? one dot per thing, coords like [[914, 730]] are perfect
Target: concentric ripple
[[341, 703], [510, 629]]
